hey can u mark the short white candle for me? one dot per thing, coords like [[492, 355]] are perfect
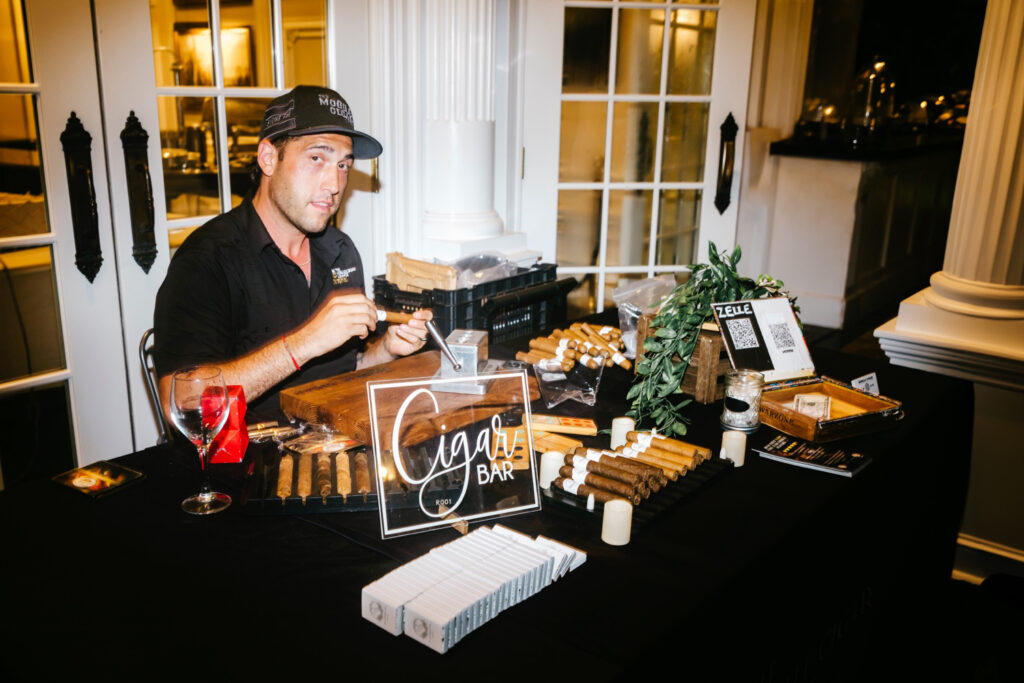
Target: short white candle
[[617, 522], [550, 462], [734, 446], [620, 426]]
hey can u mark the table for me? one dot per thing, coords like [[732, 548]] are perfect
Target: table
[[771, 572]]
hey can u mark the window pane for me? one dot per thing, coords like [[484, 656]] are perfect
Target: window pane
[[587, 44], [182, 45], [633, 130], [579, 227], [22, 206], [35, 435], [244, 118], [15, 66], [691, 50], [638, 63], [678, 226], [613, 280], [686, 133], [246, 44], [187, 134], [30, 335], [629, 227], [175, 236], [581, 300], [305, 44], [581, 146]]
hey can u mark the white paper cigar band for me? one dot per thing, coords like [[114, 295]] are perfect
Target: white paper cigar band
[[578, 461], [617, 358], [644, 440], [571, 486], [579, 475], [381, 315], [590, 502], [563, 343], [593, 455], [605, 330], [628, 452], [560, 354], [587, 345]]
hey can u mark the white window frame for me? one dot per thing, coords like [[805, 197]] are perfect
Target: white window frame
[[542, 119]]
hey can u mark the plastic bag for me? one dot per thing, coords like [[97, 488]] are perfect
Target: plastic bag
[[483, 267], [635, 298], [579, 383]]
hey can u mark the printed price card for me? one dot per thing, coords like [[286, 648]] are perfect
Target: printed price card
[[763, 335], [441, 458]]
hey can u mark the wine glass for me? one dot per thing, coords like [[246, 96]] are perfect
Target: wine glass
[[199, 409]]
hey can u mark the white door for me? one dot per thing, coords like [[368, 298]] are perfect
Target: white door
[[195, 76], [624, 103], [200, 74], [61, 335]]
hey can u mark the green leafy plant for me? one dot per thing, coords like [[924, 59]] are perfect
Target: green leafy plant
[[655, 394]]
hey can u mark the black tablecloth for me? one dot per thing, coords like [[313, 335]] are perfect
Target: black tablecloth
[[769, 572]]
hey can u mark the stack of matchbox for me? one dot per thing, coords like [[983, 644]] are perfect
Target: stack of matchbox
[[442, 596]]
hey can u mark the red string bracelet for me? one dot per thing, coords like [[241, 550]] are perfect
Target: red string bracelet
[[290, 355]]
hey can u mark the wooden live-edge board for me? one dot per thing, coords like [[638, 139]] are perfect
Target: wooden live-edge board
[[341, 402]]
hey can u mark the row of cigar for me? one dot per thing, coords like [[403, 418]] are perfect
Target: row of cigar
[[342, 470], [632, 471], [579, 343]]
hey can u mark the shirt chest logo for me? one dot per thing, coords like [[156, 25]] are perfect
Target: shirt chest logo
[[340, 276]]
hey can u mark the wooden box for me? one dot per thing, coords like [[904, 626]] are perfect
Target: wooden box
[[705, 377], [853, 411]]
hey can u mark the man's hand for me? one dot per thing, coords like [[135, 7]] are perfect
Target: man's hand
[[339, 318], [401, 340]]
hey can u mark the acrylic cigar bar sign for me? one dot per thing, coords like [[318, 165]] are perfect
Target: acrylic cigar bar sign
[[467, 468]]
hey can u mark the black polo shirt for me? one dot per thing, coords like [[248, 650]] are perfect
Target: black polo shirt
[[230, 290]]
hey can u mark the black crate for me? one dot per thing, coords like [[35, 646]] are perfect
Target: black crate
[[515, 306]]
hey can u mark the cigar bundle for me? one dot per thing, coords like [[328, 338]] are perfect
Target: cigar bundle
[[317, 477], [580, 343]]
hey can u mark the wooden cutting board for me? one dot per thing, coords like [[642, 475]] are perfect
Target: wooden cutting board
[[341, 402]]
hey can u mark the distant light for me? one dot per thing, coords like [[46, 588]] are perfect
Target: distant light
[[924, 104], [879, 66], [828, 110]]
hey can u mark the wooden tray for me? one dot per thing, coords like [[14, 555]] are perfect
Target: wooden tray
[[853, 411], [341, 402]]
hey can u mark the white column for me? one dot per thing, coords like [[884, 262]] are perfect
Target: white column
[[983, 273], [433, 63], [458, 161], [970, 322]]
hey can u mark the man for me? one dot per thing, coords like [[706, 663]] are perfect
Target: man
[[267, 292]]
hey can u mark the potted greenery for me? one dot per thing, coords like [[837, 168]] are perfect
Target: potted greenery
[[655, 394]]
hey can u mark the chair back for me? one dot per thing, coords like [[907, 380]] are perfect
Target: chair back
[[146, 358]]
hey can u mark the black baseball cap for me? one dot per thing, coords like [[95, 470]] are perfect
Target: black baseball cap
[[310, 109]]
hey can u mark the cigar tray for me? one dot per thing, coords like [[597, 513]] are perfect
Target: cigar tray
[[853, 412], [649, 509], [260, 494]]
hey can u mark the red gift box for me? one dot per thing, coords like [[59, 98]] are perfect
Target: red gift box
[[230, 444]]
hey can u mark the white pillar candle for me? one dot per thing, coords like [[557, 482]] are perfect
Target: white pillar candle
[[617, 522], [734, 446], [620, 426], [550, 462]]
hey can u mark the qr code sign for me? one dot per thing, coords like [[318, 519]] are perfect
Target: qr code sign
[[742, 332], [780, 333]]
